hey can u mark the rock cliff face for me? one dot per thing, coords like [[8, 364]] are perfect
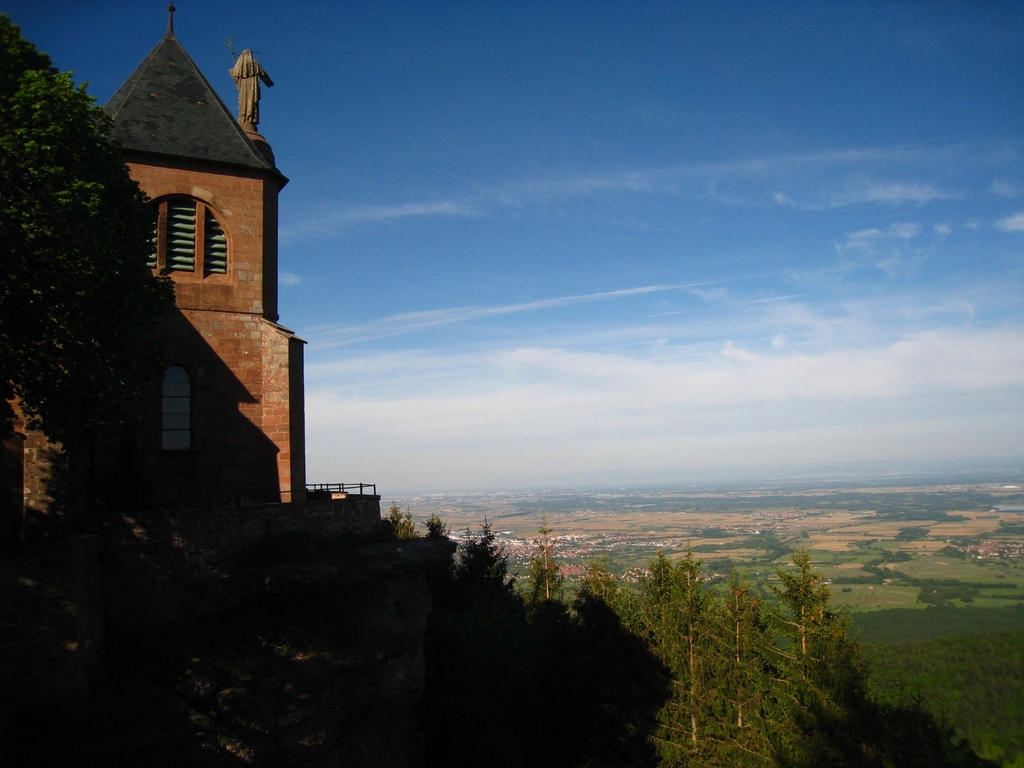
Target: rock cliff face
[[322, 671], [296, 651]]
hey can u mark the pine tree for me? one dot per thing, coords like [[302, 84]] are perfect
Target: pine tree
[[436, 527], [545, 572], [824, 682], [597, 582], [744, 637], [678, 614], [481, 568], [402, 524]]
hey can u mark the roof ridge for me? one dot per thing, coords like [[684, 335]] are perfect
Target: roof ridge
[[167, 106], [231, 119], [140, 71]]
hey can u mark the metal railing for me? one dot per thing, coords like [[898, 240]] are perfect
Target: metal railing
[[357, 489]]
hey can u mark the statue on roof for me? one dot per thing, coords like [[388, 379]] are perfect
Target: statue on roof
[[247, 74]]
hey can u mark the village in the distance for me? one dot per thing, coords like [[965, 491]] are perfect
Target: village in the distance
[[876, 541]]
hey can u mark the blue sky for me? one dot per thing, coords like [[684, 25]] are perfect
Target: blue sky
[[557, 244]]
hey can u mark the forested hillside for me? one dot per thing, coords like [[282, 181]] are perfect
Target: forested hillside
[[903, 625], [974, 681], [664, 672]]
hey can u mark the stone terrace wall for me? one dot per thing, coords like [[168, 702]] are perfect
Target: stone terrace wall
[[164, 566], [56, 598], [51, 625]]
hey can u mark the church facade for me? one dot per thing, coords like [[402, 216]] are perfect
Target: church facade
[[223, 422]]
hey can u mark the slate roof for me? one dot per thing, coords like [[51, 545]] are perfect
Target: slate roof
[[168, 107]]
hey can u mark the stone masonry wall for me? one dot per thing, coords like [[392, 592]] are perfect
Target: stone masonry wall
[[140, 570], [51, 625], [247, 438], [247, 442], [172, 565], [238, 198]]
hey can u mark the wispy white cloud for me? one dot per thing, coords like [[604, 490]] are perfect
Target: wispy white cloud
[[890, 193], [709, 175], [771, 299], [901, 263], [334, 335], [943, 229], [288, 278], [1005, 188], [395, 212], [331, 222], [868, 239], [1014, 223], [886, 249], [632, 181], [729, 182], [524, 402], [808, 181], [895, 193]]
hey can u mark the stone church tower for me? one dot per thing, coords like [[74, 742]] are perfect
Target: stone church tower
[[225, 423]]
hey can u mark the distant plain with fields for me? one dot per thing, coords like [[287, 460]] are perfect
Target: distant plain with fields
[[920, 568]]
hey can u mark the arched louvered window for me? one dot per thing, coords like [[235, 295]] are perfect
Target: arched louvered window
[[176, 410], [215, 247], [189, 238], [181, 235]]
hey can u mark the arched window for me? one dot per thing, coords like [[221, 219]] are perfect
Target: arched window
[[176, 410], [188, 238]]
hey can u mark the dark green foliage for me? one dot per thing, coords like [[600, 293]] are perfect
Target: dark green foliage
[[912, 533], [507, 686], [436, 527], [914, 515], [900, 625], [899, 556], [669, 672], [976, 682], [942, 595], [874, 578], [545, 579], [402, 524], [677, 617], [480, 572], [478, 658], [77, 303], [915, 582], [827, 705], [773, 546], [718, 565]]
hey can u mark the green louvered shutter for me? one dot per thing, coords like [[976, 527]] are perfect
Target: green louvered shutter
[[181, 235], [215, 249]]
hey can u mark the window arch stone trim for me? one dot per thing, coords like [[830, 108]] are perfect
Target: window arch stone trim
[[191, 241]]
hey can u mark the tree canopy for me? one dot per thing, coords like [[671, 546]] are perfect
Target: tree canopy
[[77, 303], [667, 670]]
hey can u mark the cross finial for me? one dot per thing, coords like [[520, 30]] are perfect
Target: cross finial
[[170, 21]]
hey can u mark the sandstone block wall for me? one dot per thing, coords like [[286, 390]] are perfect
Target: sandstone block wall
[[245, 203], [135, 570], [171, 565], [50, 623]]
